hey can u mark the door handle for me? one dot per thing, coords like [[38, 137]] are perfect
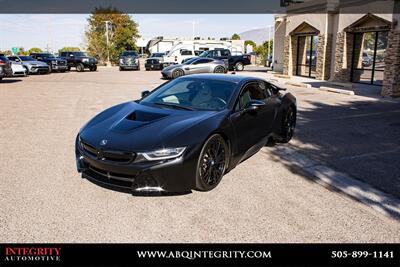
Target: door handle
[[187, 69]]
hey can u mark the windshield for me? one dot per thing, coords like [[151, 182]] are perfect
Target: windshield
[[129, 53], [192, 94], [80, 54], [157, 55], [47, 55], [26, 58], [204, 54], [190, 61]]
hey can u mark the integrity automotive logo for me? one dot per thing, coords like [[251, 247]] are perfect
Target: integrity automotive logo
[[32, 254]]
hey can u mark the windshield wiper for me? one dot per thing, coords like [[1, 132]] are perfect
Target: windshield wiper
[[173, 105]]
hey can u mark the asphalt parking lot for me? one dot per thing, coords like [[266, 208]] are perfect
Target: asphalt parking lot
[[43, 198]]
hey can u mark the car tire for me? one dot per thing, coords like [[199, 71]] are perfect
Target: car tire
[[177, 73], [239, 66], [212, 163], [147, 69], [288, 125], [219, 69], [94, 68], [50, 68], [121, 69], [26, 70], [69, 68], [80, 67]]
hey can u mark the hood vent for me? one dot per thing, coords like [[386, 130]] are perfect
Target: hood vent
[[143, 116]]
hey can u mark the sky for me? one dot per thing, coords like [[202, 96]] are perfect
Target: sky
[[57, 31]]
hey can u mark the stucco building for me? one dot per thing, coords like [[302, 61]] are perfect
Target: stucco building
[[341, 41]]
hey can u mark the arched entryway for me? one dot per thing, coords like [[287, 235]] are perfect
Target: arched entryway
[[370, 39], [305, 54]]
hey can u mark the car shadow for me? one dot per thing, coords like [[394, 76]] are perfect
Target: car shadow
[[7, 80], [136, 194]]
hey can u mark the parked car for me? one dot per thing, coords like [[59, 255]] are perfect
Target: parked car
[[153, 62], [55, 63], [234, 62], [31, 65], [18, 69], [193, 66], [5, 67], [366, 60], [79, 60], [129, 60], [186, 134], [268, 61]]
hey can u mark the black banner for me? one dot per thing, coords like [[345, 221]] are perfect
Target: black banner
[[200, 255], [198, 7]]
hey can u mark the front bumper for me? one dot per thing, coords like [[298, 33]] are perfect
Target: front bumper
[[130, 66], [153, 66], [39, 69], [176, 175], [59, 67]]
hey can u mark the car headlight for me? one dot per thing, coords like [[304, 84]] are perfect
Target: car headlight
[[85, 60], [121, 60], [163, 153], [136, 60]]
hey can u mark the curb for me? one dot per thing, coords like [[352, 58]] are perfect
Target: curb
[[303, 85], [282, 76], [336, 90], [343, 85], [373, 198]]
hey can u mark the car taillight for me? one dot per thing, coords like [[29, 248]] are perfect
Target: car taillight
[[2, 62]]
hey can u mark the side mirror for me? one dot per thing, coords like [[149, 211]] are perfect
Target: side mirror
[[254, 105], [145, 93]]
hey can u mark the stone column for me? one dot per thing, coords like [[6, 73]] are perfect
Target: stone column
[[391, 81], [343, 57]]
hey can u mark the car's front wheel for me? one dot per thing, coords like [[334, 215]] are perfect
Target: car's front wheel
[[80, 67], [177, 73], [212, 163]]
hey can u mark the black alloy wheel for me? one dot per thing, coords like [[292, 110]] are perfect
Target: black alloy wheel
[[177, 73], [219, 69], [289, 124], [212, 163]]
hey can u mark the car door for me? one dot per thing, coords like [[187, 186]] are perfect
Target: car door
[[200, 66], [253, 126]]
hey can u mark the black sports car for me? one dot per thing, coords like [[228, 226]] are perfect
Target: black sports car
[[186, 134]]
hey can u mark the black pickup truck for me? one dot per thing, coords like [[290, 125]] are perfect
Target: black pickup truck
[[79, 60], [236, 62], [55, 63]]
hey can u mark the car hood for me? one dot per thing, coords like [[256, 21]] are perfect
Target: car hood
[[135, 127], [35, 62]]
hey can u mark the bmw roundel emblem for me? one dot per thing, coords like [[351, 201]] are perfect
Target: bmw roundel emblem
[[103, 142]]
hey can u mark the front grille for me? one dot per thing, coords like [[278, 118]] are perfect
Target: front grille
[[115, 156], [152, 61], [62, 62]]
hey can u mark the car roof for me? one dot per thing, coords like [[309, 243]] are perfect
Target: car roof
[[223, 77]]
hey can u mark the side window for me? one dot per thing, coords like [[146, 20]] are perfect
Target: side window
[[202, 61], [251, 91], [225, 53], [186, 52]]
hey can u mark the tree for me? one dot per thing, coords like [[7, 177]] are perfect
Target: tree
[[235, 36], [22, 52], [262, 50], [34, 50], [250, 42], [69, 48], [123, 32]]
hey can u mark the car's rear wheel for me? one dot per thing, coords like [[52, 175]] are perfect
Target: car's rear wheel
[[177, 73], [219, 69], [212, 163], [94, 68], [289, 124], [80, 67], [239, 66]]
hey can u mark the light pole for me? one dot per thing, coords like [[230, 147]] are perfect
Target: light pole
[[108, 47]]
